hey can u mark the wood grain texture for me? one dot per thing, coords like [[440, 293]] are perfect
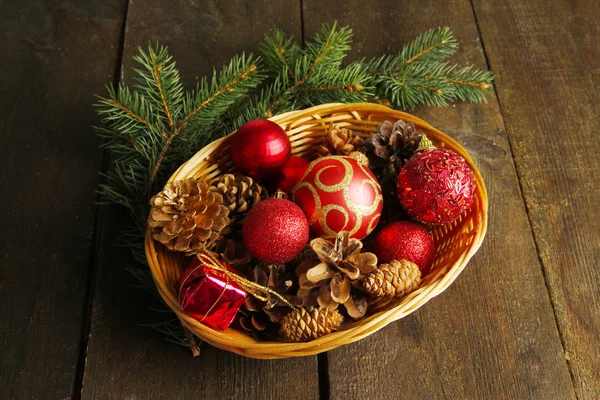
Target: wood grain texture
[[54, 56], [493, 333], [125, 360], [549, 91]]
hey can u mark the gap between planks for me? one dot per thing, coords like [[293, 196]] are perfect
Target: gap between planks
[[97, 235]]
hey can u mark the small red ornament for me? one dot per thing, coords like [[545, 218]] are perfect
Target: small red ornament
[[405, 240], [208, 295], [260, 148], [290, 176], [436, 186], [275, 231], [339, 194]]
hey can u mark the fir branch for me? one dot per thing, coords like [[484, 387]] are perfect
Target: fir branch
[[279, 52], [433, 45], [159, 79]]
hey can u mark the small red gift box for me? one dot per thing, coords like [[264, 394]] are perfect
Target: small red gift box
[[209, 295]]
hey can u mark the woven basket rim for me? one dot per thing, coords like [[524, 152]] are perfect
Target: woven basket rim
[[292, 122]]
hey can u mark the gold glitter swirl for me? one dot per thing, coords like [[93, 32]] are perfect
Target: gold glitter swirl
[[373, 223], [315, 215], [360, 209], [323, 219], [344, 183]]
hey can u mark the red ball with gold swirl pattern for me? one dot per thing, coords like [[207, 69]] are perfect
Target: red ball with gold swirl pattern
[[339, 194]]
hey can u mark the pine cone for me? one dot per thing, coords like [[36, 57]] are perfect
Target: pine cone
[[395, 279], [239, 193], [261, 320], [339, 141], [331, 281], [186, 216], [304, 324], [393, 144]]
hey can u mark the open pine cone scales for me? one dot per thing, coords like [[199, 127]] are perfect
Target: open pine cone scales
[[390, 147], [187, 216], [239, 193], [340, 141], [309, 323], [341, 266], [395, 279]]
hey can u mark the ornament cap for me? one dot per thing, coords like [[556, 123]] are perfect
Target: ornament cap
[[425, 144]]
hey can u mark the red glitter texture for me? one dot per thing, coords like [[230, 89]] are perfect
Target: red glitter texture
[[260, 148], [275, 231], [436, 186], [405, 240], [339, 194]]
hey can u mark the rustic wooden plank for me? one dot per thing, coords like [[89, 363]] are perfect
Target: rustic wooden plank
[[125, 360], [55, 56], [492, 334], [549, 91]]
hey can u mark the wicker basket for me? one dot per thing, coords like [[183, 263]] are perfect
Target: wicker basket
[[456, 242]]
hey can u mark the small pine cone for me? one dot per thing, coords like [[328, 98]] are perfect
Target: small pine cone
[[340, 141], [186, 216], [304, 324], [239, 193], [395, 279]]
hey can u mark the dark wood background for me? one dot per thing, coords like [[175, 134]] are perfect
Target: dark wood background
[[521, 322]]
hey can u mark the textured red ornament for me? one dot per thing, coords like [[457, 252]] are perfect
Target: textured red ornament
[[208, 295], [260, 148], [436, 186], [339, 194], [290, 176], [405, 240], [275, 231]]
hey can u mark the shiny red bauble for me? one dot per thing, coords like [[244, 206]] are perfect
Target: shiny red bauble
[[405, 240], [260, 148], [339, 194], [436, 186], [275, 231], [289, 176]]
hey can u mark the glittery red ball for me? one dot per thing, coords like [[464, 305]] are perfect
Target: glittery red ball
[[436, 186], [260, 148], [275, 231], [405, 240], [339, 194]]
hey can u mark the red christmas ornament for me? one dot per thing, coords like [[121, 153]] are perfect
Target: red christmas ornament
[[290, 176], [405, 240], [436, 186], [208, 295], [275, 231], [260, 148], [339, 194]]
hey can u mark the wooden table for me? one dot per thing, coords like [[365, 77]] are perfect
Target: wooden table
[[521, 322]]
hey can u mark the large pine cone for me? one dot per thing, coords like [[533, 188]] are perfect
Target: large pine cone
[[395, 279], [239, 193], [304, 324], [187, 216], [339, 141]]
